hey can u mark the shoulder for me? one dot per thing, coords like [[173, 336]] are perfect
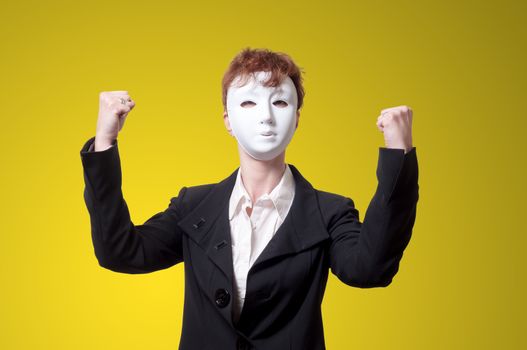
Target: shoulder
[[190, 196], [333, 206], [329, 199]]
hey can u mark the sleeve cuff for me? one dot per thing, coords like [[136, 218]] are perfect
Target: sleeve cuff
[[102, 164], [89, 146], [397, 172]]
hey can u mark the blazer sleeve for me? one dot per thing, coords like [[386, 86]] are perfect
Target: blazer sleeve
[[119, 245], [367, 254]]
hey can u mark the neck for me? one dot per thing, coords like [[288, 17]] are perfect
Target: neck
[[260, 176]]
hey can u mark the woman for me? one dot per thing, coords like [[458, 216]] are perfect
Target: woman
[[258, 245]]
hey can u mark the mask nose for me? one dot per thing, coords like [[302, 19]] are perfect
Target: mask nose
[[267, 115]]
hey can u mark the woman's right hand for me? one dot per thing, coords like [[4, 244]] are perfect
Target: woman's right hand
[[112, 115]]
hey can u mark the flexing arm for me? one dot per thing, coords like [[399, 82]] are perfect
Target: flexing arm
[[120, 245], [368, 254]]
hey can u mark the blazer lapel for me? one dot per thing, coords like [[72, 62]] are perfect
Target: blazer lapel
[[208, 225], [302, 228]]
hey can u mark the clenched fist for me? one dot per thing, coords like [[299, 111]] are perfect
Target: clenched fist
[[114, 107], [396, 125]]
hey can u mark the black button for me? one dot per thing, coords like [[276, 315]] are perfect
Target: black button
[[222, 297], [242, 344]]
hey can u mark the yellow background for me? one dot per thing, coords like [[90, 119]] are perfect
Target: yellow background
[[460, 65]]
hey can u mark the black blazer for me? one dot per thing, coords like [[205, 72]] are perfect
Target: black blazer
[[286, 284]]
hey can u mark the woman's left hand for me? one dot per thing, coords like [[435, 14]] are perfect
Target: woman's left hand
[[396, 125]]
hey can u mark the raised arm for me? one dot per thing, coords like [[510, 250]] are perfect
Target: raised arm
[[368, 254], [120, 245]]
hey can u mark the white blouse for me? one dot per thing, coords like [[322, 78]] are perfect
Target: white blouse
[[250, 234]]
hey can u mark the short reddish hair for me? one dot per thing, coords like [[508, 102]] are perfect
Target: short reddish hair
[[249, 61]]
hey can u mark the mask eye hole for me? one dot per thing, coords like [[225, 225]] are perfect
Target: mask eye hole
[[280, 103], [247, 104]]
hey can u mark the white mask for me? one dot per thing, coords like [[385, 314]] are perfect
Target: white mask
[[263, 119]]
